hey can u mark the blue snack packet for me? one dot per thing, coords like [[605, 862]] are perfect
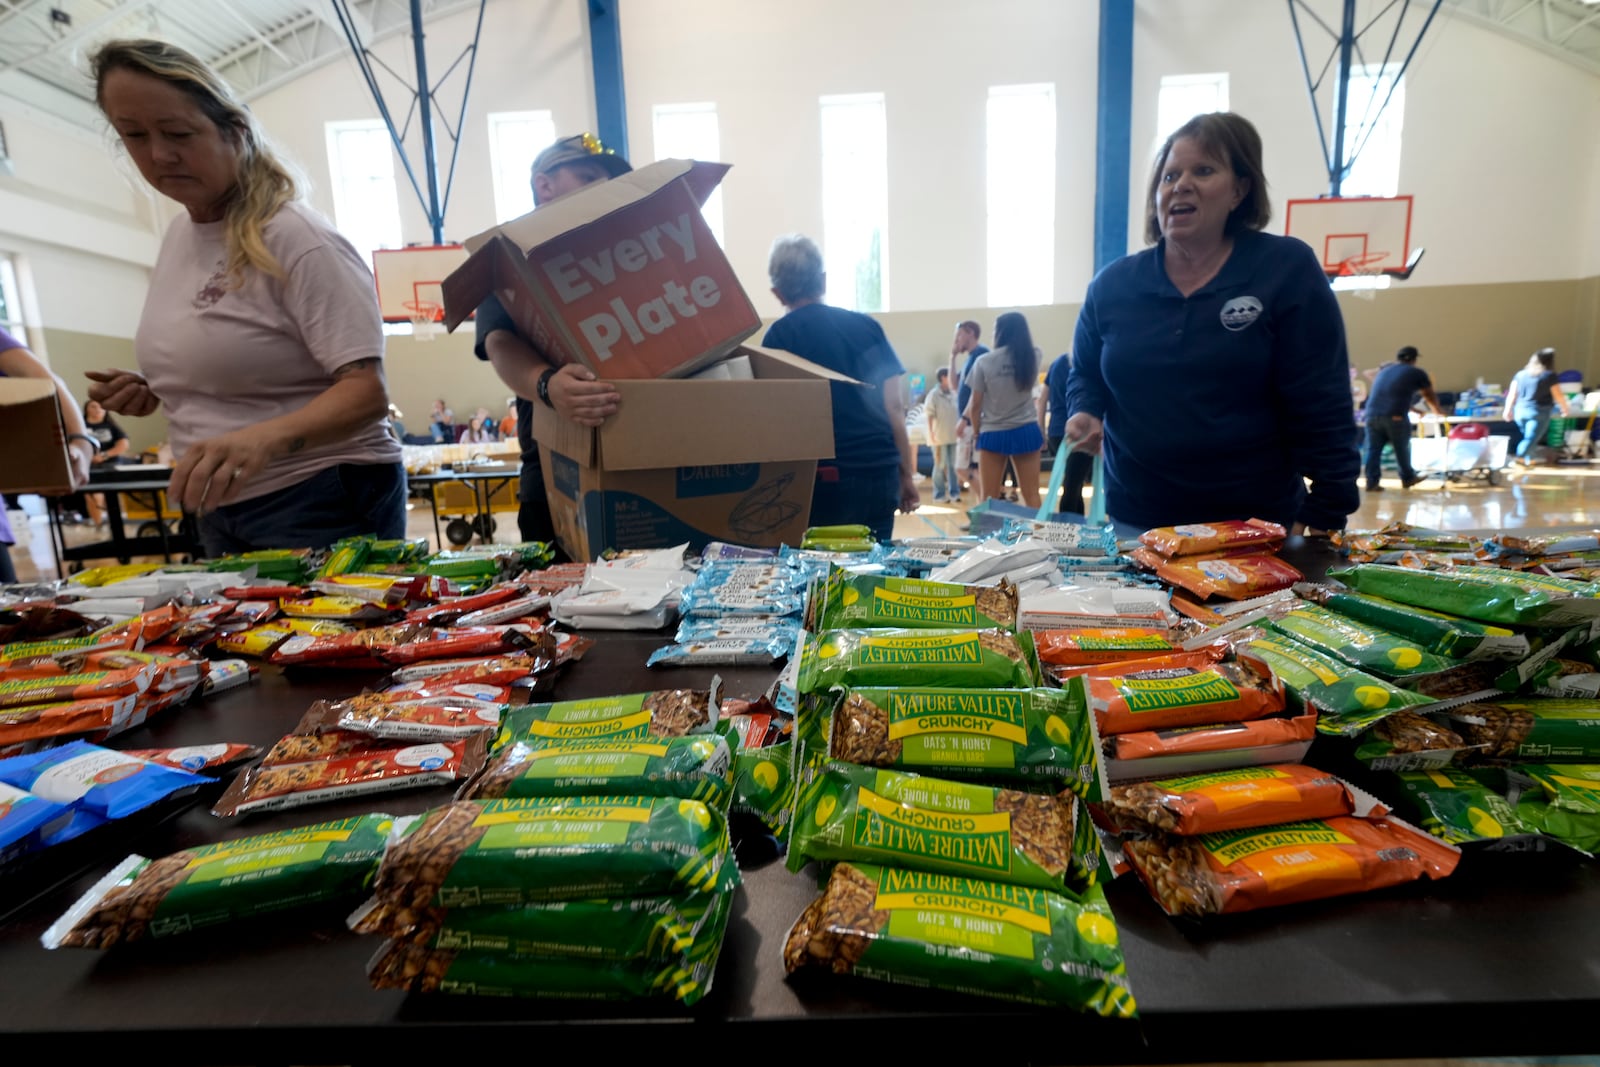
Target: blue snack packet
[[749, 588], [26, 821], [96, 781]]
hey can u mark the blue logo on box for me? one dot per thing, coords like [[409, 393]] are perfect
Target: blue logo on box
[[564, 473], [716, 480]]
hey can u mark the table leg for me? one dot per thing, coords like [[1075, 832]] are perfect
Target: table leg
[[58, 536], [119, 535], [433, 506]]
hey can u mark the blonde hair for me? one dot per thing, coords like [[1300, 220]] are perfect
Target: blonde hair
[[264, 182]]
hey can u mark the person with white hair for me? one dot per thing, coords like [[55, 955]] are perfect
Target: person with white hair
[[873, 469]]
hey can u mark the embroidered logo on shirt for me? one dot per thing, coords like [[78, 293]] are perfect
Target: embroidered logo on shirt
[[214, 289], [1240, 312]]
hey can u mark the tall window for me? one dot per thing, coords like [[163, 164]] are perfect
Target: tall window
[[855, 201], [1373, 137], [1183, 96], [365, 205], [1021, 194], [515, 139], [10, 300], [689, 131]]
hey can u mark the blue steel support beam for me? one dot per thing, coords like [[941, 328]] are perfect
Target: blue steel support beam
[[1113, 133], [430, 155], [1338, 168], [605, 50]]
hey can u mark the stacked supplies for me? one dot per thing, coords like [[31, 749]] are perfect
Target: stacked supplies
[[737, 613], [1234, 560]]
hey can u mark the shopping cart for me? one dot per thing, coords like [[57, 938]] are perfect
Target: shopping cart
[[1465, 452]]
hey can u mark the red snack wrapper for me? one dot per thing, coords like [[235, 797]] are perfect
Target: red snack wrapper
[[1219, 801], [1213, 737], [1242, 870], [292, 785], [497, 670], [1073, 647], [358, 649], [471, 641], [198, 758], [1182, 696], [521, 608], [427, 717], [1230, 577], [299, 748], [91, 675], [1199, 657], [752, 728], [448, 611], [265, 592], [1195, 538]]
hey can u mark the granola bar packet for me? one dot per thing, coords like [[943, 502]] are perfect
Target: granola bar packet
[[1457, 808], [197, 758], [764, 785], [1359, 644], [844, 601], [880, 816], [608, 931], [272, 787], [411, 715], [1212, 737], [660, 713], [1406, 741], [1218, 801], [966, 935], [36, 722], [1546, 731], [765, 587], [988, 733], [1268, 866], [1571, 812], [1229, 577], [1196, 538], [99, 781], [54, 679], [1486, 594], [300, 748], [476, 853], [1446, 635], [1200, 657], [966, 658], [695, 766], [1567, 678], [684, 978], [210, 885], [1091, 646], [1131, 701], [754, 650], [1347, 701]]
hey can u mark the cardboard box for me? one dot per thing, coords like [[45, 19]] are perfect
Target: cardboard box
[[693, 461], [622, 276], [33, 450]]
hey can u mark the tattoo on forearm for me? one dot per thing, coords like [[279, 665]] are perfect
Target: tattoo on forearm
[[357, 365], [296, 445]]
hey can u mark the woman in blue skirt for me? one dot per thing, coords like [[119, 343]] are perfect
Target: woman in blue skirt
[[1004, 417]]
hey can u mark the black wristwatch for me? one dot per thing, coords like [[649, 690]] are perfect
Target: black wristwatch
[[544, 387]]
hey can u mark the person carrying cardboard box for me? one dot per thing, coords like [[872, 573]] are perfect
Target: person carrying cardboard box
[[571, 391], [874, 468]]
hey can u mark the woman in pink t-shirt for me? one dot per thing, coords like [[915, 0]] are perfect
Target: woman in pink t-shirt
[[260, 335]]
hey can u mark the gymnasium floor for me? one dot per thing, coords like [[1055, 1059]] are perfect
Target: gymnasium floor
[[1540, 497]]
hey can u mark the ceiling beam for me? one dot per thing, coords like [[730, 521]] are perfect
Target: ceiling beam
[[121, 10]]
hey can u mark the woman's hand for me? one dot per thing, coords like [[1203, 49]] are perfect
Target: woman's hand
[[580, 397], [213, 471], [1084, 431], [1300, 529], [82, 456], [122, 391], [910, 499]]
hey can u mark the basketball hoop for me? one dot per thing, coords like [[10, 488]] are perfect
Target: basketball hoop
[[1369, 267], [425, 318]]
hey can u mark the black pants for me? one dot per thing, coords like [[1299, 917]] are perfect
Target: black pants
[[1079, 466], [533, 509], [1394, 430]]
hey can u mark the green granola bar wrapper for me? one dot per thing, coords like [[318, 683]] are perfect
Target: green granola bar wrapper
[[510, 852], [965, 658], [1544, 731], [210, 885], [1457, 808], [1569, 809], [986, 733], [1443, 634], [685, 978], [661, 713], [696, 766], [659, 928], [844, 601], [763, 785], [906, 820], [965, 935], [1347, 701], [1486, 594], [1359, 644]]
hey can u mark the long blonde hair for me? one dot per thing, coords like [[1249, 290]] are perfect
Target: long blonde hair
[[264, 183]]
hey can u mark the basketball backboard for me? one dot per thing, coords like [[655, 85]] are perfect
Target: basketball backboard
[[1355, 235], [410, 279]]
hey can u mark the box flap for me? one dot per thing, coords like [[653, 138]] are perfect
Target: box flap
[[467, 285], [25, 390], [774, 363], [596, 201], [671, 423]]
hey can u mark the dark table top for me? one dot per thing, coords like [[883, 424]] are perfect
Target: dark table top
[[1503, 958]]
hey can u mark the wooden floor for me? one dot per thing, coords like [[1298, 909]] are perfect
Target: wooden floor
[[1540, 497]]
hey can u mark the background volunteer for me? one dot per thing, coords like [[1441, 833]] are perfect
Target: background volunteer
[[1388, 415]]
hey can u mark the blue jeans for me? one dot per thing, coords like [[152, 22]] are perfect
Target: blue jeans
[[946, 483], [342, 501], [1394, 430], [847, 496], [1535, 428]]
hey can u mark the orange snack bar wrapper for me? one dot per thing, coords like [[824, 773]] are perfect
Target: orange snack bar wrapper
[[1199, 657], [1196, 538], [1230, 577], [1263, 867], [75, 718], [1163, 698], [1212, 737], [1219, 801], [1083, 647]]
